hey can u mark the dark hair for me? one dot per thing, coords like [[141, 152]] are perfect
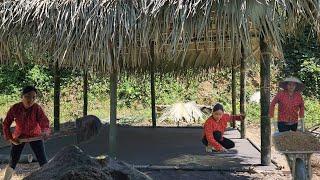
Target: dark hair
[[217, 107], [28, 89]]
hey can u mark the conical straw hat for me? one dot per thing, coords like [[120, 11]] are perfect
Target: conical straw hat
[[300, 86]]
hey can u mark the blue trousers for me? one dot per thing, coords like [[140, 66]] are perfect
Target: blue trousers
[[282, 127]]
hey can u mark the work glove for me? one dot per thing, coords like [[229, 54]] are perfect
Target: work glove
[[301, 124]]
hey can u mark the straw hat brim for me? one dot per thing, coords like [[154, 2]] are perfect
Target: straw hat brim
[[300, 86]]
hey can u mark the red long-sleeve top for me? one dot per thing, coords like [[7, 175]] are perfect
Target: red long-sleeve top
[[30, 122], [290, 108], [211, 125]]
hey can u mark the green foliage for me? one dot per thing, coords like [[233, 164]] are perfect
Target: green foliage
[[12, 78], [170, 90], [310, 75], [40, 77], [312, 115], [302, 59], [133, 90]]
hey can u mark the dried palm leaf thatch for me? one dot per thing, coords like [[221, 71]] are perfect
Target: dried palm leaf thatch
[[227, 22], [182, 112], [115, 34], [78, 33]]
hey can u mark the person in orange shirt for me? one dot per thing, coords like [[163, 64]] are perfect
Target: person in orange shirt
[[290, 105], [31, 123], [214, 128]]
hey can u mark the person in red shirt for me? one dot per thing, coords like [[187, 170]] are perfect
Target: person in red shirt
[[31, 122], [290, 104], [214, 128]]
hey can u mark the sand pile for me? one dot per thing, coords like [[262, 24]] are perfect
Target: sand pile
[[296, 141], [72, 163]]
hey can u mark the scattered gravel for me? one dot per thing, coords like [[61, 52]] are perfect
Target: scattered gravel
[[296, 141]]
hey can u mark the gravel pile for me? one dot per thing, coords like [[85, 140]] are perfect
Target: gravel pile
[[72, 163], [296, 141]]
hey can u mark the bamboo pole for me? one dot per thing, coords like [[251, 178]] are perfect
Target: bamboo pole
[[242, 92], [234, 95], [56, 106], [85, 93], [153, 95], [265, 100]]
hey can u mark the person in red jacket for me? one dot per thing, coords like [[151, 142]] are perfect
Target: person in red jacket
[[214, 128], [31, 122], [290, 105]]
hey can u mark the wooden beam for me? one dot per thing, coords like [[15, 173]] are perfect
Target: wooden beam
[[234, 94], [242, 92], [56, 102], [264, 101], [85, 93], [152, 84]]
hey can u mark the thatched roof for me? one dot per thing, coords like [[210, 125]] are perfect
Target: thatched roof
[[117, 33]]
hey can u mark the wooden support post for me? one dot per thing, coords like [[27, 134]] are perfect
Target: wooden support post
[[56, 105], [85, 93], [242, 92], [113, 106], [153, 95], [113, 114], [265, 100], [234, 95]]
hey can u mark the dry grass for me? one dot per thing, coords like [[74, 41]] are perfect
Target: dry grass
[[182, 113]]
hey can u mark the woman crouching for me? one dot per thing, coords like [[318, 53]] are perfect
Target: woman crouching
[[214, 128]]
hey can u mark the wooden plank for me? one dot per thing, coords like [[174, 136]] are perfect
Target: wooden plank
[[265, 100], [152, 84], [26, 140], [192, 168], [299, 152]]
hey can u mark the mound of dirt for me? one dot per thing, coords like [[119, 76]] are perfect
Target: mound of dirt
[[72, 163], [296, 141]]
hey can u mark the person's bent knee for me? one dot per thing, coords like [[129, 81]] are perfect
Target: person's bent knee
[[217, 135], [204, 141], [232, 145]]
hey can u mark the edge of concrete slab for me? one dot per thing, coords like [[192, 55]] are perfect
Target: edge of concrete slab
[[247, 168]]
